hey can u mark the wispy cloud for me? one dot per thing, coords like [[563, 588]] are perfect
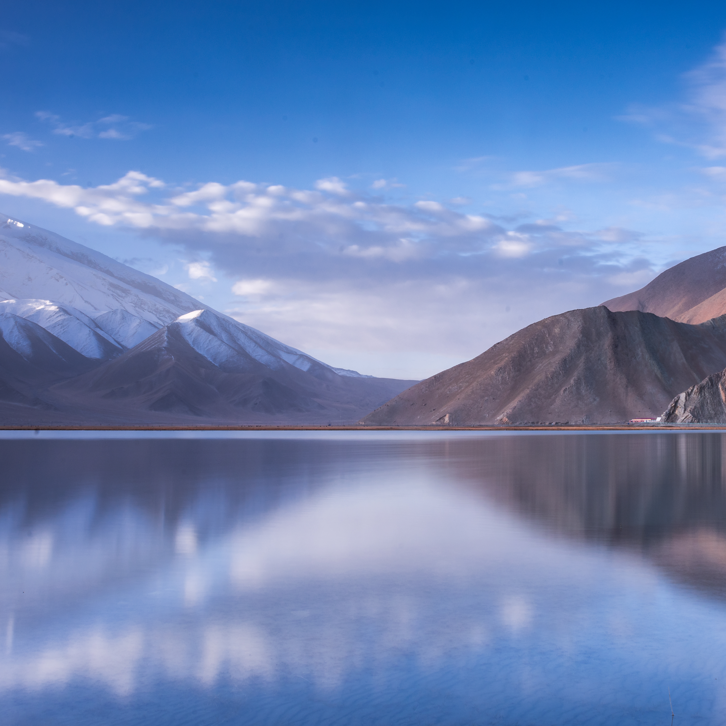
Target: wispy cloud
[[699, 121], [597, 172], [22, 141], [474, 162], [115, 126], [10, 39], [381, 184]]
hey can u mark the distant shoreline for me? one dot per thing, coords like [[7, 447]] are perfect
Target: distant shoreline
[[265, 427]]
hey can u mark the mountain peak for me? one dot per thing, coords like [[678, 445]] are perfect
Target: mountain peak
[[38, 264], [692, 291]]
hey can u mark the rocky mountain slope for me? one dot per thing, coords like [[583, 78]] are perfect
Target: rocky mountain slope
[[704, 402], [691, 292], [583, 366]]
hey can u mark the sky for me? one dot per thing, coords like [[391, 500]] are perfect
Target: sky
[[389, 186]]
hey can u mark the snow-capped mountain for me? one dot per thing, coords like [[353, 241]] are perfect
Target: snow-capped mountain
[[112, 345], [64, 286]]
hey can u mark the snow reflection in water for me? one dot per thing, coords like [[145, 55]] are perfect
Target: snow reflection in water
[[427, 579]]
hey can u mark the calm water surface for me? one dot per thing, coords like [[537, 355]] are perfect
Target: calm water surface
[[363, 578]]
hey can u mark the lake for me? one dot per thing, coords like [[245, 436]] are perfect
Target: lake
[[363, 578]]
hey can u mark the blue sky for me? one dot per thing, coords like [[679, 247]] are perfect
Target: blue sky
[[392, 187]]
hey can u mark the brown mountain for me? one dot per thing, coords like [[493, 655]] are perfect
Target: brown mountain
[[691, 292], [583, 366]]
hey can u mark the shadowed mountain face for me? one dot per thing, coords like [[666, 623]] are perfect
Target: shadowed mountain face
[[584, 366], [31, 359], [692, 292]]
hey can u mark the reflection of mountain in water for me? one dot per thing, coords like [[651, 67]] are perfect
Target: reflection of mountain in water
[[78, 515], [661, 494], [280, 570]]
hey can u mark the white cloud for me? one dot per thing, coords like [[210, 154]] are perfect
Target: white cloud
[[252, 288], [200, 271], [22, 141], [404, 250], [257, 211], [514, 245], [205, 193], [429, 206], [333, 185]]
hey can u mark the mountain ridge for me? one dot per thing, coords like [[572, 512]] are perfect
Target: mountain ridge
[[583, 366], [692, 291]]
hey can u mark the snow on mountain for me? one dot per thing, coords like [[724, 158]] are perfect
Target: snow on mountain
[[65, 322], [100, 305], [228, 343], [15, 334], [347, 373], [38, 264], [127, 329], [37, 351]]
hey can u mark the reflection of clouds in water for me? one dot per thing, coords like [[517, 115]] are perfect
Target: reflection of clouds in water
[[384, 529], [185, 542], [195, 587], [346, 578], [243, 650], [516, 613], [37, 550], [406, 548], [74, 550], [323, 652], [112, 660], [9, 634]]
